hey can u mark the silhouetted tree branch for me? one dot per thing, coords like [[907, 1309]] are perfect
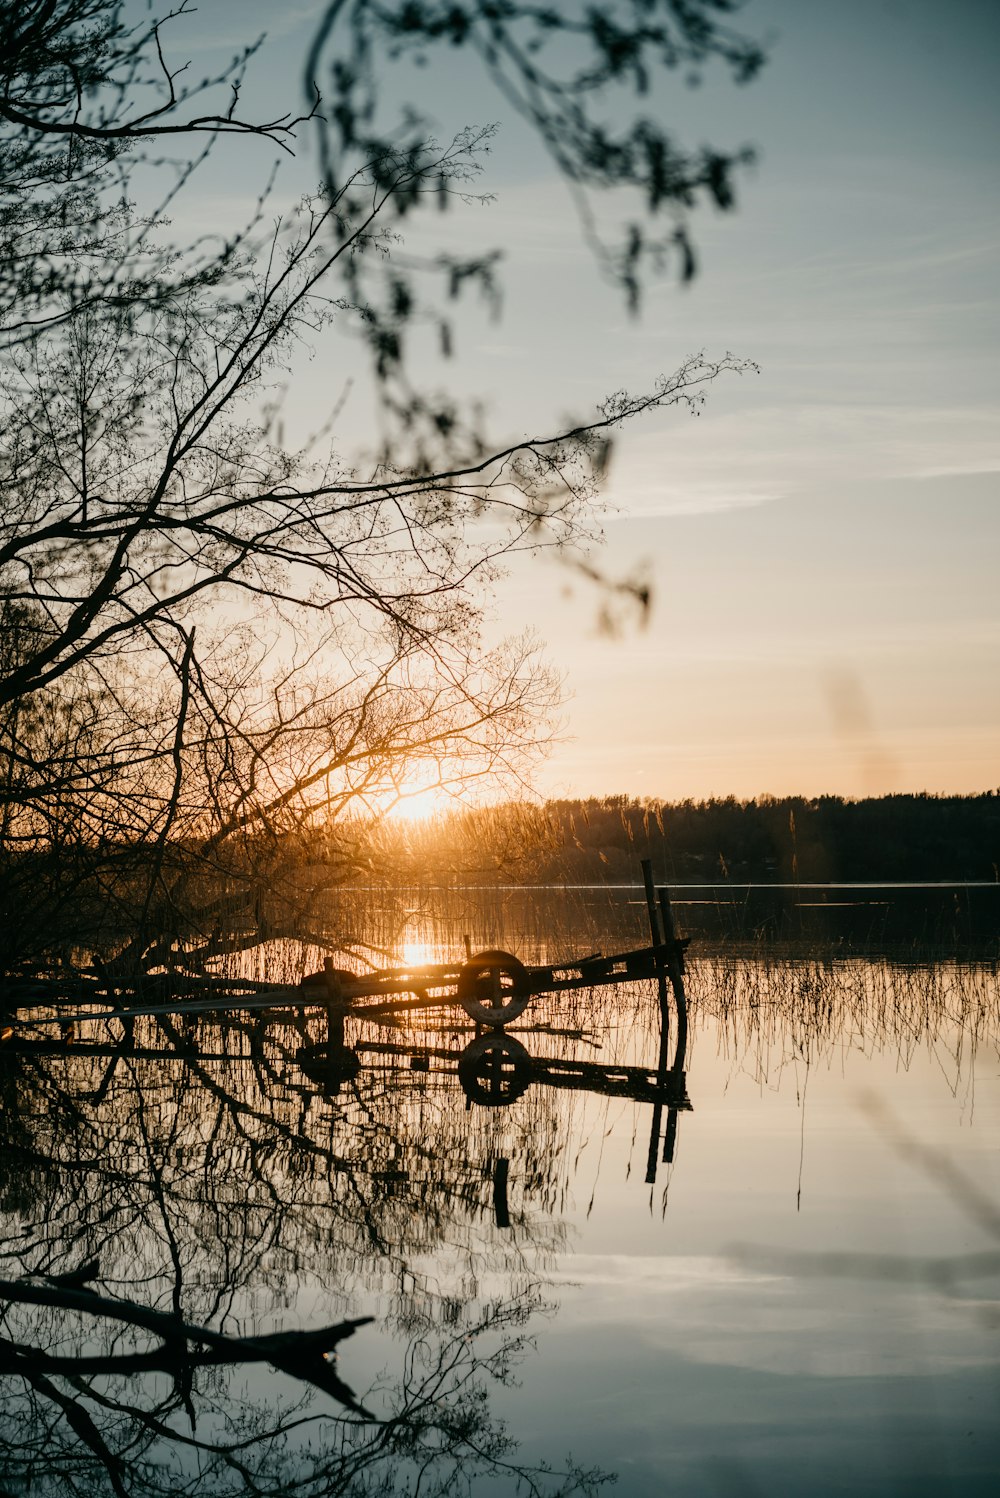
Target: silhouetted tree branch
[[567, 70], [216, 641]]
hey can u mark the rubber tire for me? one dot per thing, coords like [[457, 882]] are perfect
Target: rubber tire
[[471, 980]]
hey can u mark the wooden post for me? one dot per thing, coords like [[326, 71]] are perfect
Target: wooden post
[[664, 930], [675, 970], [670, 1137], [669, 925], [654, 920], [654, 1143], [659, 938], [500, 1208], [334, 1006], [661, 984]]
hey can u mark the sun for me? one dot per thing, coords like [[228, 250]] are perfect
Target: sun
[[420, 804]]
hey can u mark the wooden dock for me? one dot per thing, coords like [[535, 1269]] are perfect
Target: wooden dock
[[492, 987]]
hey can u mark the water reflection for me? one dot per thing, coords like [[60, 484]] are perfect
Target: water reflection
[[174, 1200], [172, 1420], [177, 1195]]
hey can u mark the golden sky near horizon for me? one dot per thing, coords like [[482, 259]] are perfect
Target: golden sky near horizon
[[823, 540]]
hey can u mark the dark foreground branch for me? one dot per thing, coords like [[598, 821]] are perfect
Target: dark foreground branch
[[302, 1355]]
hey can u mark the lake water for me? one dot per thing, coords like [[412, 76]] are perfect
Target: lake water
[[785, 1278]]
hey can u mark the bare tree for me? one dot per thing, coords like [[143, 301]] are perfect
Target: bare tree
[[216, 641], [86, 92]]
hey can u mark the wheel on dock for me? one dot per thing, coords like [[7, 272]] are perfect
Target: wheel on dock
[[493, 988], [494, 1070]]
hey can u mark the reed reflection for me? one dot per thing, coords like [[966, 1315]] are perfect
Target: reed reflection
[[172, 1192]]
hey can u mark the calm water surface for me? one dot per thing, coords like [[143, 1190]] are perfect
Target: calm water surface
[[806, 1297]]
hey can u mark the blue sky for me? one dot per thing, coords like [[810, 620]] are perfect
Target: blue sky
[[823, 539]]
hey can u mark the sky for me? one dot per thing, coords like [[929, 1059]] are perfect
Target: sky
[[823, 540]]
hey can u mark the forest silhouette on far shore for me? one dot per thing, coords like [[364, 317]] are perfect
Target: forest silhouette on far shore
[[770, 839]]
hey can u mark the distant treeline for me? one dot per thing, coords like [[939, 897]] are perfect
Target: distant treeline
[[771, 839]]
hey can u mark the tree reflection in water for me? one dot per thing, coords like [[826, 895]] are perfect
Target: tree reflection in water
[[77, 1423], [239, 1190], [168, 1202]]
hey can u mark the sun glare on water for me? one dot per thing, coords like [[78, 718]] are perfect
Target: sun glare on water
[[418, 954]]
